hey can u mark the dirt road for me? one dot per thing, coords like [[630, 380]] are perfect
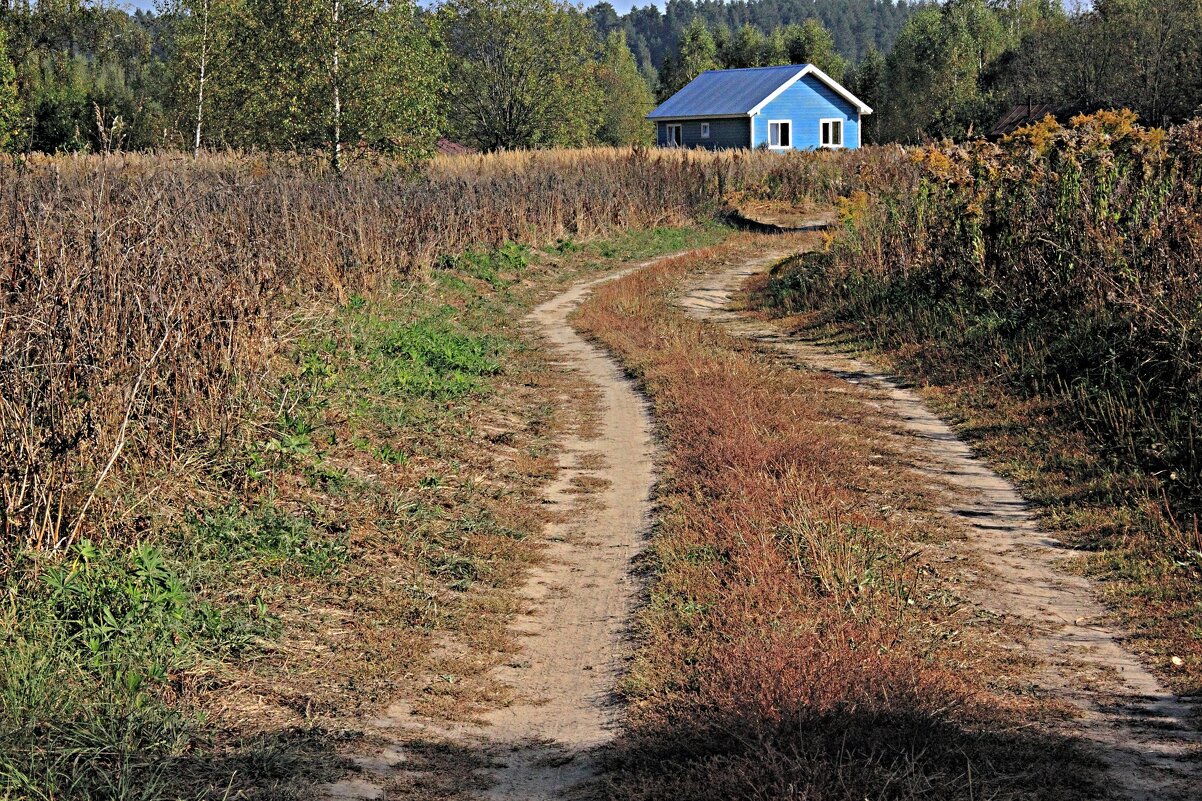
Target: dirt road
[[578, 602], [1139, 728]]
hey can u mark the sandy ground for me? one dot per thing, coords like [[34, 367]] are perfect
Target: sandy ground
[[578, 604], [1138, 728]]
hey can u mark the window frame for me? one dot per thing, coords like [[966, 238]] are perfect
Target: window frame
[[825, 121], [669, 140], [788, 145], [705, 130]]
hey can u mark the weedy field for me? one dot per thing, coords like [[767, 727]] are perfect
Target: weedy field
[[250, 419], [1048, 291], [358, 539], [272, 443]]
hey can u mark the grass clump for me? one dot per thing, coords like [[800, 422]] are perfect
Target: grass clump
[[95, 650], [266, 536]]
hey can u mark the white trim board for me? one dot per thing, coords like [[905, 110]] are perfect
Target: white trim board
[[810, 69], [842, 132]]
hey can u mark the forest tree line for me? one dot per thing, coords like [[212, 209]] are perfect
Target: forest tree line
[[347, 77], [340, 76], [955, 68], [934, 71]]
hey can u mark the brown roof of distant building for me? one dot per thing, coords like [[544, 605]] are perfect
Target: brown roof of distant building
[[1025, 114], [448, 148]]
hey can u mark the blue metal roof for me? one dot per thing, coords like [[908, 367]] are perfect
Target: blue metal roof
[[725, 93]]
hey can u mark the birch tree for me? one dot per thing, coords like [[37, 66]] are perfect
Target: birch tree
[[333, 75], [199, 37]]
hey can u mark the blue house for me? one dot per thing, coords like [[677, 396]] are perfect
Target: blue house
[[795, 107]]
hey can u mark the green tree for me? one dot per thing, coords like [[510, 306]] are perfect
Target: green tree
[[1139, 54], [627, 98], [10, 106], [810, 43], [867, 82], [697, 53], [86, 76], [327, 72], [198, 39], [524, 74], [746, 48], [935, 72]]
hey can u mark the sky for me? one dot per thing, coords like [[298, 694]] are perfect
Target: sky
[[622, 6]]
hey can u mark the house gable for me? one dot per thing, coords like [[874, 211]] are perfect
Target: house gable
[[805, 103], [739, 107]]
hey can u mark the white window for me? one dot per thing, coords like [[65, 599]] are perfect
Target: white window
[[831, 132], [674, 136], [705, 130], [780, 133]]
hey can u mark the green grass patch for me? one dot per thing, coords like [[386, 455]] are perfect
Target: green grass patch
[[339, 531]]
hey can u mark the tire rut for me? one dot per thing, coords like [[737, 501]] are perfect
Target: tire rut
[[1138, 728], [578, 603]]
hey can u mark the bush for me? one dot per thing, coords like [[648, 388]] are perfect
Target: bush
[[1064, 262]]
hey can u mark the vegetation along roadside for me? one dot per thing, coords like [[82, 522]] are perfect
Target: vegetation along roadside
[[1045, 291], [801, 635], [296, 504]]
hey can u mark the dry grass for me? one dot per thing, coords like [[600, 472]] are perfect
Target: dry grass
[[799, 639], [1048, 288], [142, 294]]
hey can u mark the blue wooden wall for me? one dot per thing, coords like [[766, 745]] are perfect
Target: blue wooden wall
[[804, 104]]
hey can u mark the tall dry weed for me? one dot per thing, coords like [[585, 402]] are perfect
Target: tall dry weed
[[141, 296], [1064, 263]]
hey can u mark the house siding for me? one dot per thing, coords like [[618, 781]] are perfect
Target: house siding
[[803, 104], [724, 132]]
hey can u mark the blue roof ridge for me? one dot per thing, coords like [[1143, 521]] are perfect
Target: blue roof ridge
[[733, 93], [749, 69]]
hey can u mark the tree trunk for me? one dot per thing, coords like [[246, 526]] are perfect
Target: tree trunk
[[200, 86], [336, 144]]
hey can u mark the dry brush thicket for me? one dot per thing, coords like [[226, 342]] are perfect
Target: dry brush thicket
[[1064, 263], [141, 295]]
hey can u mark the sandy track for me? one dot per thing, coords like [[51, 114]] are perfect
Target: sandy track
[[574, 646], [1138, 728], [578, 603]]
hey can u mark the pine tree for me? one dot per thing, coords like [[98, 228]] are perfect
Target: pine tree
[[810, 43]]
